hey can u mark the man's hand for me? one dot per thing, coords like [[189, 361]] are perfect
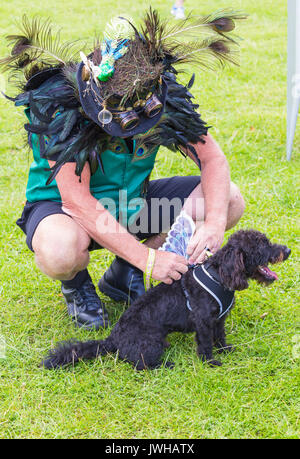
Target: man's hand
[[208, 236], [168, 266]]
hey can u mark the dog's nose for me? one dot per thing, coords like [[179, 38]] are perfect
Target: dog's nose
[[286, 252]]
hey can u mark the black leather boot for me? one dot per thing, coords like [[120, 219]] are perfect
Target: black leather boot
[[85, 307], [122, 281]]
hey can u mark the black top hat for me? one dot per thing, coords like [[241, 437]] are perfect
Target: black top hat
[[125, 122]]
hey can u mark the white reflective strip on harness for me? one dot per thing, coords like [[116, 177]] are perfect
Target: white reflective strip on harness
[[207, 273], [221, 314]]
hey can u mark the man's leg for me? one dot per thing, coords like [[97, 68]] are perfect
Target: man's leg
[[195, 207], [61, 247], [61, 252]]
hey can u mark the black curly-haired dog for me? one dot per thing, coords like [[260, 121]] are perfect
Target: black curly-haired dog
[[185, 306]]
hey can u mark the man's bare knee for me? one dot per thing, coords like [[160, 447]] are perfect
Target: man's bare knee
[[195, 205], [60, 250], [60, 262]]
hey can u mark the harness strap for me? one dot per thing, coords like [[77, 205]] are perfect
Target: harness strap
[[188, 304], [222, 295]]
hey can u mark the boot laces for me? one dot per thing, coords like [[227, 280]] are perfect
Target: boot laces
[[87, 297]]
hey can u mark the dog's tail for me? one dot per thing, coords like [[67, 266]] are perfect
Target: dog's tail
[[69, 352]]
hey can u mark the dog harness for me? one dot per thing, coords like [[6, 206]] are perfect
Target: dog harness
[[209, 279]]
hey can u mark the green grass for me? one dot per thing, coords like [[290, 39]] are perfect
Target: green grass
[[255, 394]]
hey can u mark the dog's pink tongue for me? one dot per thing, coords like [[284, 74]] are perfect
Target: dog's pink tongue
[[271, 273]]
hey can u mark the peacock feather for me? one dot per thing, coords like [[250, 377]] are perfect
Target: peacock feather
[[38, 47]]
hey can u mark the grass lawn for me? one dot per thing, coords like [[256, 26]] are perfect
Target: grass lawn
[[255, 394]]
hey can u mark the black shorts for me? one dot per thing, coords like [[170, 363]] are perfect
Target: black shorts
[[173, 189]]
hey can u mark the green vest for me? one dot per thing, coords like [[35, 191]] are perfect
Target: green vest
[[119, 188]]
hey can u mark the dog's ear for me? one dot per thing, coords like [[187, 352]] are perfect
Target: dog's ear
[[232, 270]]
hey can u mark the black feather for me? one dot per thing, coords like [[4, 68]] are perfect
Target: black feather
[[191, 82], [180, 125]]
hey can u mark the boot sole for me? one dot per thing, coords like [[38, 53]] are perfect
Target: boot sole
[[86, 326], [113, 293]]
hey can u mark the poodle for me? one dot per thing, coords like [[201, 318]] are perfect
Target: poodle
[[187, 305]]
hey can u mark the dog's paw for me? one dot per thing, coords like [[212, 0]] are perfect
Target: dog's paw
[[211, 362]]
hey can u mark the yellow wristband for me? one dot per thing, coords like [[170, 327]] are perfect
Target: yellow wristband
[[149, 268]]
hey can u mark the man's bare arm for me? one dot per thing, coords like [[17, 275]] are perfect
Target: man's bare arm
[[101, 226], [215, 181]]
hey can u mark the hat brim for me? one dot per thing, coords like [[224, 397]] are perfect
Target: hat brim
[[92, 107]]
